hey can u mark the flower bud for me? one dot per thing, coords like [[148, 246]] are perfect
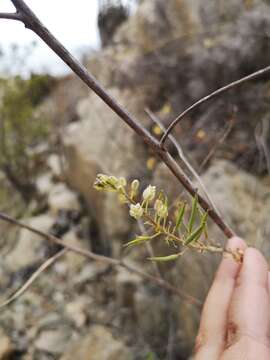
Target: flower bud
[[161, 209], [149, 193], [135, 185], [122, 182]]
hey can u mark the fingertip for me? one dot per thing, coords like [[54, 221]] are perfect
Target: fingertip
[[255, 266], [254, 258], [235, 243], [229, 268]]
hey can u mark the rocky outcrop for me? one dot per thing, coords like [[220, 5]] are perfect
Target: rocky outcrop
[[101, 143]]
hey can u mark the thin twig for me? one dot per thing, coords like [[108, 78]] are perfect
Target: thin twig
[[32, 22], [183, 157], [110, 261], [220, 141], [149, 248], [220, 91], [11, 16], [33, 277]]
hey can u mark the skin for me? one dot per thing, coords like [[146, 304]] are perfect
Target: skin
[[235, 322]]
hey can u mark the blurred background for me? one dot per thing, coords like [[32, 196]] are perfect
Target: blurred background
[[155, 57]]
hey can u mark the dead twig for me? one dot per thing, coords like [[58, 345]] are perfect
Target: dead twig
[[214, 94], [33, 277], [107, 260]]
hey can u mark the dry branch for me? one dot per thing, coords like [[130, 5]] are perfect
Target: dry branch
[[104, 259], [31, 21], [214, 94]]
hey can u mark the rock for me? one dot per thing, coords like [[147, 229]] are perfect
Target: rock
[[44, 183], [151, 314], [6, 347], [155, 22], [98, 344], [29, 247], [243, 200], [126, 284], [76, 311], [56, 166], [73, 261], [54, 341], [62, 198], [90, 272], [101, 143]]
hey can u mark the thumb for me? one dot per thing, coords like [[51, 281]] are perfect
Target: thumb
[[249, 311]]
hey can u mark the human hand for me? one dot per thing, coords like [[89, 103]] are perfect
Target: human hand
[[235, 322]]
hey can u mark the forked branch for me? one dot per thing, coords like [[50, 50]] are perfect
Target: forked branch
[[32, 22], [11, 16]]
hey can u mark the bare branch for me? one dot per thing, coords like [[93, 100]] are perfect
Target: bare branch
[[220, 91], [226, 132], [183, 157], [114, 262], [11, 16], [33, 277], [32, 22]]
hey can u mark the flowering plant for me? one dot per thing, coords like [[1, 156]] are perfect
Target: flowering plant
[[185, 229]]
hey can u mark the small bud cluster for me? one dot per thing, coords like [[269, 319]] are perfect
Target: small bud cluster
[[109, 183]]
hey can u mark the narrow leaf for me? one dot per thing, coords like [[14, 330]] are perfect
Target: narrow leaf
[[195, 235], [180, 216], [141, 239], [138, 240], [193, 213], [165, 258]]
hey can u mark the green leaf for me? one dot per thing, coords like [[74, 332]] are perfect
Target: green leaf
[[138, 240], [180, 216], [141, 239], [165, 258], [195, 235], [193, 213]]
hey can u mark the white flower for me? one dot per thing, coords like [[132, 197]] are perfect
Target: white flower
[[149, 193], [161, 209], [136, 211]]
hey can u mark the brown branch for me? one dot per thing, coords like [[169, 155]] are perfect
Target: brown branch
[[11, 16], [32, 22], [104, 259], [220, 91]]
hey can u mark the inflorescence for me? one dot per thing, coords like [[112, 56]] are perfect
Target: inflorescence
[[185, 228]]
